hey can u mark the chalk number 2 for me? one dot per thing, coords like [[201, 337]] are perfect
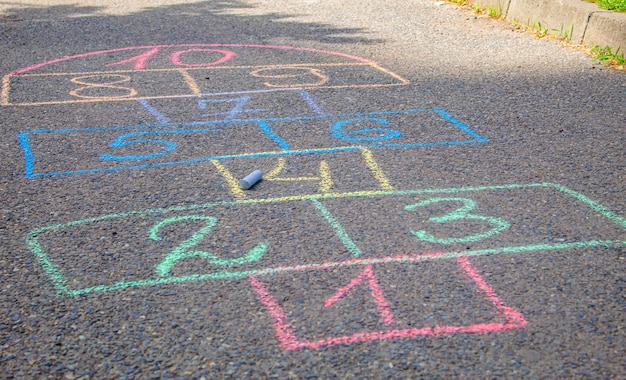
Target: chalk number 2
[[185, 249], [463, 212]]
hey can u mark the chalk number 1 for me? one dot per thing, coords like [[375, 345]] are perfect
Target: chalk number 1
[[463, 212]]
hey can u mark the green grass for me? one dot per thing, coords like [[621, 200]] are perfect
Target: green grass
[[611, 5], [495, 12], [564, 33], [606, 55], [538, 29]]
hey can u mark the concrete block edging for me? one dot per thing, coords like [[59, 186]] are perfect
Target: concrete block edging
[[582, 22]]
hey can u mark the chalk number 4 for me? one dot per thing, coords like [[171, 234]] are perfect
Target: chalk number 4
[[463, 212]]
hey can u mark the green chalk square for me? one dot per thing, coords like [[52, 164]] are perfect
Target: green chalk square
[[185, 243], [474, 220], [335, 244]]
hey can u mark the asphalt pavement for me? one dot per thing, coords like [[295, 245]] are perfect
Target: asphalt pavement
[[443, 194]]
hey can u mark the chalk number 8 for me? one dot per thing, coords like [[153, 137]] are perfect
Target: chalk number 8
[[463, 212]]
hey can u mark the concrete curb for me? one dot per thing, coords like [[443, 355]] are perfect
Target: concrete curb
[[583, 22]]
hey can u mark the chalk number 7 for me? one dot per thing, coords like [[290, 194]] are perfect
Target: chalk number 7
[[463, 212]]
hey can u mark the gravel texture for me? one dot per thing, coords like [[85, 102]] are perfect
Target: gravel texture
[[487, 243]]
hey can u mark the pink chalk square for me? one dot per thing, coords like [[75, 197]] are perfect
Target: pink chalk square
[[373, 308]]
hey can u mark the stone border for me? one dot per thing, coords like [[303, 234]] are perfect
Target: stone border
[[590, 24]]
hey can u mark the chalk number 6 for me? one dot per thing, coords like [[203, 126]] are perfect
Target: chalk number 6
[[463, 212]]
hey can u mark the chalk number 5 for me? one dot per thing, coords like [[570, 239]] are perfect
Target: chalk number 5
[[463, 212]]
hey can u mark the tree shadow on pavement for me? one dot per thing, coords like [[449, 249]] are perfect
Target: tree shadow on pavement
[[71, 28]]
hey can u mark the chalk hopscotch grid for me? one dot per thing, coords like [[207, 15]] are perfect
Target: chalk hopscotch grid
[[30, 156], [59, 281], [195, 91], [288, 339]]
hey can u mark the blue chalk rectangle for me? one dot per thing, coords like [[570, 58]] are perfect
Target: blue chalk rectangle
[[50, 153]]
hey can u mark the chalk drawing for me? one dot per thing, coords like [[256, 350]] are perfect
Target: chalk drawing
[[108, 84], [226, 56], [20, 90], [377, 294], [311, 102], [317, 74], [138, 60], [160, 118], [274, 133], [169, 146], [269, 132], [223, 108], [375, 168], [231, 181], [341, 233], [62, 283], [237, 109], [191, 83], [185, 249], [288, 339], [463, 212], [150, 51], [225, 81], [324, 178], [359, 135], [147, 60]]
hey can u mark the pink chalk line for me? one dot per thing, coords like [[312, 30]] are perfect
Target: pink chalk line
[[285, 333], [288, 340], [511, 314], [377, 293], [154, 48], [141, 59], [350, 262]]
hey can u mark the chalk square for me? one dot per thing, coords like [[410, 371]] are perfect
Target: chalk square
[[49, 261], [92, 87], [50, 153], [290, 332], [229, 80], [422, 127], [147, 146], [229, 107], [476, 220], [180, 244]]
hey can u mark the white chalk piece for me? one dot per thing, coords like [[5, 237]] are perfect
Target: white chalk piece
[[250, 179]]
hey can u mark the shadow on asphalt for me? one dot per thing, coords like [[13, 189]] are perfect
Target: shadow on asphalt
[[205, 22]]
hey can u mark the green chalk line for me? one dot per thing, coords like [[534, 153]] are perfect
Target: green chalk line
[[51, 270], [372, 193], [347, 263], [58, 279], [595, 206], [341, 233]]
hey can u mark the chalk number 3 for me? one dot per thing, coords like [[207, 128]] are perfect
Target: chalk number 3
[[463, 212]]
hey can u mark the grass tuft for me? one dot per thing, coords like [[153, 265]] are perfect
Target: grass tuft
[[611, 5], [606, 55]]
